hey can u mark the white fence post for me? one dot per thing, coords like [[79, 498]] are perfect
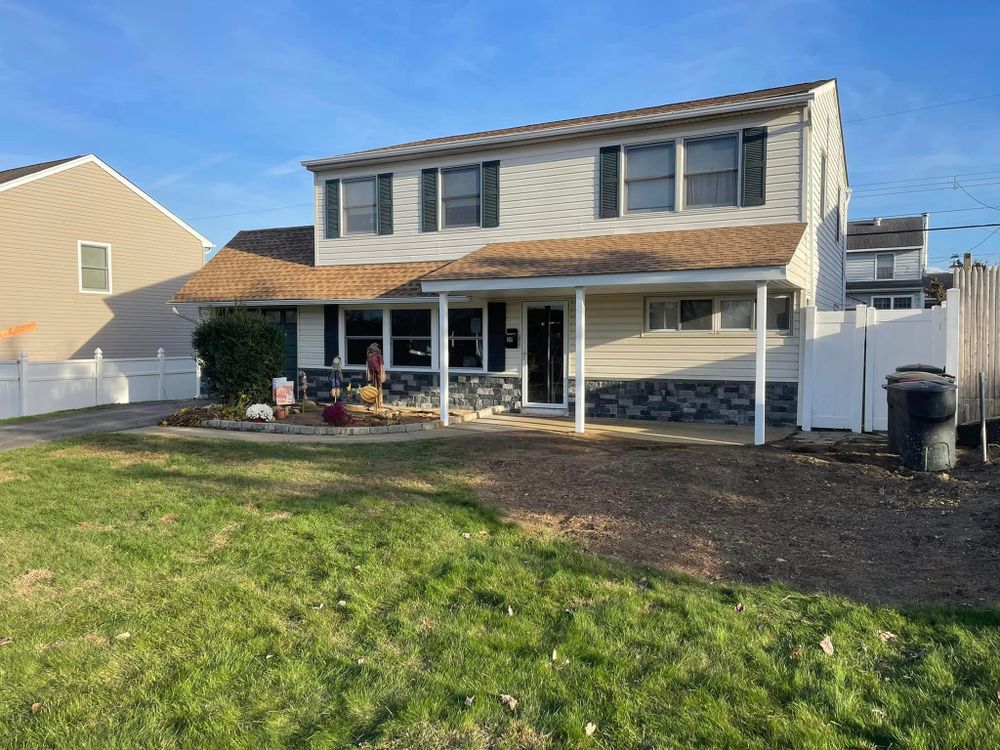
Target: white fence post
[[161, 358], [98, 375], [809, 366], [953, 307], [862, 313], [197, 378], [22, 382]]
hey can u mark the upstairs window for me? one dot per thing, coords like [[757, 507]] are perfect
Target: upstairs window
[[885, 266], [711, 172], [461, 196], [95, 267], [649, 177], [360, 206]]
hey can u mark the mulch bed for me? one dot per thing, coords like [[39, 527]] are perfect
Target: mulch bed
[[313, 416], [840, 518]]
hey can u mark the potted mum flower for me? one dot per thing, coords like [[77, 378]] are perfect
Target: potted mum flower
[[260, 413]]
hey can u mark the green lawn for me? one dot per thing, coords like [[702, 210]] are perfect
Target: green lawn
[[327, 597]]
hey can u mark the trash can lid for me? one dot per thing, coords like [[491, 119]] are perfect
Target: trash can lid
[[937, 385], [918, 367], [897, 377]]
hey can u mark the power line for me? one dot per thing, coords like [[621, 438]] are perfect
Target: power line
[[936, 182], [917, 213], [931, 229], [925, 179], [917, 190], [985, 205], [921, 109]]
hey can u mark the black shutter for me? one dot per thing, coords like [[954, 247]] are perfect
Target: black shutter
[[496, 353], [608, 182], [332, 209], [491, 194], [429, 200], [385, 203], [754, 165], [331, 341]]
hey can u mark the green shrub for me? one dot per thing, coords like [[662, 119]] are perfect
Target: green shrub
[[240, 353]]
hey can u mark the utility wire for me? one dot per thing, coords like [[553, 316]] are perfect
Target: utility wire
[[921, 109], [925, 179], [985, 205]]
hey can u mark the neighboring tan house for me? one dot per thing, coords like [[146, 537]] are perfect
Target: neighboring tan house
[[886, 262], [93, 261], [667, 224]]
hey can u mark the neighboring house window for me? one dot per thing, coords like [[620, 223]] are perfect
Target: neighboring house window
[[882, 303], [361, 328], [716, 314], [465, 338], [359, 206], [410, 336], [649, 177], [885, 266], [95, 267], [460, 196], [711, 171], [902, 303]]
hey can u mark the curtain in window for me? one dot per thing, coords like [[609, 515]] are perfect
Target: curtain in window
[[711, 172]]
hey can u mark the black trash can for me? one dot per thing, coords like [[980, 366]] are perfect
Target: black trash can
[[900, 375], [921, 368], [925, 414]]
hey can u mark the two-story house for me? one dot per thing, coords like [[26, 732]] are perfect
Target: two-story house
[[886, 262], [650, 263]]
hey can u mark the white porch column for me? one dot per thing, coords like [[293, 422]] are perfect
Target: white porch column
[[581, 338], [760, 378], [443, 355]]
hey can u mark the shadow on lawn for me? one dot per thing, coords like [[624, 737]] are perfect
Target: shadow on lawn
[[845, 524]]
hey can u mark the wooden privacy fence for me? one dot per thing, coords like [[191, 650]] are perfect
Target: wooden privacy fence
[[980, 334], [37, 387]]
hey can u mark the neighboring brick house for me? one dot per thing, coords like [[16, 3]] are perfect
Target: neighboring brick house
[[93, 261], [886, 262], [655, 260]]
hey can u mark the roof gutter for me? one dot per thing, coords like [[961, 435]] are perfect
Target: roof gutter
[[317, 165]]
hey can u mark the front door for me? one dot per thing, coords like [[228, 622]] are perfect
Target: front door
[[545, 350]]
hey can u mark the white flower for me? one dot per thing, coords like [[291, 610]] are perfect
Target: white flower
[[260, 411]]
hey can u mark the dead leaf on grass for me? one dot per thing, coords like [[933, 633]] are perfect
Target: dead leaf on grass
[[6, 641], [796, 652], [36, 708], [827, 645], [590, 728], [739, 607], [469, 700], [123, 636], [509, 701]]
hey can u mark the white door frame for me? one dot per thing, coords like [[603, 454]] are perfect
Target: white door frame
[[562, 305]]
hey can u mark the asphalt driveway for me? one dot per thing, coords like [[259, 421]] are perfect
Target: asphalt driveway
[[114, 419]]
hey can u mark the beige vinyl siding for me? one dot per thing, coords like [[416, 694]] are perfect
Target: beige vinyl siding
[[828, 269], [618, 349], [151, 257], [310, 332], [549, 190], [861, 266]]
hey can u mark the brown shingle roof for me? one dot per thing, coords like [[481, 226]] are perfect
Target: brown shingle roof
[[741, 98], [277, 264], [648, 252], [14, 173]]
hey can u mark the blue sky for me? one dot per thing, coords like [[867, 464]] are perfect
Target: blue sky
[[210, 106]]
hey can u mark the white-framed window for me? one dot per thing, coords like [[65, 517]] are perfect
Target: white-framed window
[[711, 171], [461, 196], [901, 302], [94, 266], [650, 173], [885, 266], [360, 206], [465, 338], [411, 338], [716, 314], [362, 328], [882, 303]]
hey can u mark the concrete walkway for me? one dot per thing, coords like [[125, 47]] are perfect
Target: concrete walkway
[[504, 425], [44, 429]]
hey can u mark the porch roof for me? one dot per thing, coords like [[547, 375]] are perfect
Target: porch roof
[[718, 253], [268, 265]]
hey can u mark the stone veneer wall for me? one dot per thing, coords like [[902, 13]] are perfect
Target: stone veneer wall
[[715, 402], [420, 389]]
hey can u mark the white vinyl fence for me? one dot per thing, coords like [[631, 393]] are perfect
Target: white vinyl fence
[[849, 353], [37, 387]]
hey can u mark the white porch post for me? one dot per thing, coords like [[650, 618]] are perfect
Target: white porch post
[[581, 338], [443, 355], [760, 378]]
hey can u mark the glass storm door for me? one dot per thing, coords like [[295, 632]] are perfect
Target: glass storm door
[[545, 334]]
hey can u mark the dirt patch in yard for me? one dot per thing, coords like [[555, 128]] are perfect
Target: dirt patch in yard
[[838, 518]]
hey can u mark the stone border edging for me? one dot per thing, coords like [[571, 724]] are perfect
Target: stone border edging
[[280, 428]]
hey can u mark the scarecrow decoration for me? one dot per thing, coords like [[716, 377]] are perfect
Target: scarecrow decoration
[[375, 369], [304, 388], [336, 379]]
